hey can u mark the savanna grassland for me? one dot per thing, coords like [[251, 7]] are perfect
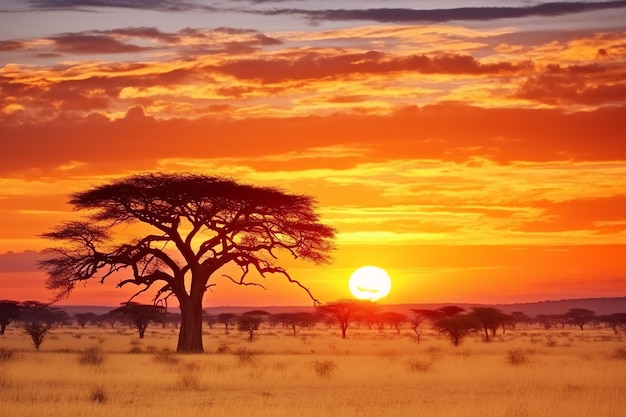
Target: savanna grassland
[[110, 372]]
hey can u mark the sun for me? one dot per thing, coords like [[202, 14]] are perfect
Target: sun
[[369, 283]]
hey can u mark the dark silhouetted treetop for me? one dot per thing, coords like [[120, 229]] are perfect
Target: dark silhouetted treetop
[[199, 224], [9, 312]]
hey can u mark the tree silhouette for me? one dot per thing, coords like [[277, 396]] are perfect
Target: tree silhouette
[[456, 327], [615, 320], [198, 226], [140, 315], [346, 312], [394, 319], [250, 321], [9, 311], [450, 311], [226, 319], [83, 318], [420, 315], [37, 318], [294, 320], [489, 318], [580, 316]]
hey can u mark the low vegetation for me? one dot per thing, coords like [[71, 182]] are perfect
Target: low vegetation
[[527, 371]]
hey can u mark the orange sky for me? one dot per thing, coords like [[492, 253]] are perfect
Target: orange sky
[[475, 160]]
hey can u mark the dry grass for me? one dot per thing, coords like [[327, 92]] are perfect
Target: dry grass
[[317, 373]]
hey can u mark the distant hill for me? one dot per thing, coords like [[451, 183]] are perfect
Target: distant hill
[[601, 306]]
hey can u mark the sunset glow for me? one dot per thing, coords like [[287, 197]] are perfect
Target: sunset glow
[[369, 283], [475, 157]]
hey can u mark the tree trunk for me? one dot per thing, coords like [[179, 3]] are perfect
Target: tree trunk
[[190, 334], [3, 326]]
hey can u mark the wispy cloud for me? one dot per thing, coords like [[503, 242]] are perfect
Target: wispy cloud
[[160, 5], [405, 15]]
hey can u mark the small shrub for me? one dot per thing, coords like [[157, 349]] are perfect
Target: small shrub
[[420, 366], [190, 377], [166, 356], [93, 355], [246, 356], [223, 348], [6, 355], [325, 368], [620, 353], [517, 357], [136, 350], [98, 395]]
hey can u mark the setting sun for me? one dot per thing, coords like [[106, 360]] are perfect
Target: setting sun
[[369, 283]]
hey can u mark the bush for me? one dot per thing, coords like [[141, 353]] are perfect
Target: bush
[[517, 357], [223, 348], [166, 356], [190, 377], [420, 366], [620, 353], [325, 368], [93, 355], [98, 395], [6, 355], [246, 356]]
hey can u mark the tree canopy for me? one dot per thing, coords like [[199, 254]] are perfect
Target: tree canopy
[[198, 225]]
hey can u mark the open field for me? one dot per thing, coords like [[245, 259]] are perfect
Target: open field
[[528, 372]]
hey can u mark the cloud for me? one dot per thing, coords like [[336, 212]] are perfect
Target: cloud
[[92, 44], [317, 65], [597, 214], [19, 261], [592, 85], [446, 131], [160, 5], [404, 15]]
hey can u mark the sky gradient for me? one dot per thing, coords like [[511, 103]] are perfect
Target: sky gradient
[[474, 150]]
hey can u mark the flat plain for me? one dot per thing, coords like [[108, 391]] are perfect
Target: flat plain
[[110, 372]]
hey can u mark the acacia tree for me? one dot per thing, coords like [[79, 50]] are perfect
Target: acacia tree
[[83, 318], [37, 318], [457, 327], [198, 225], [489, 318], [250, 321], [420, 315], [394, 319], [226, 319], [140, 315], [9, 311], [580, 316], [346, 312]]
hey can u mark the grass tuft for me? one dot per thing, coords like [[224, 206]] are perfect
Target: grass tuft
[[189, 379], [93, 355], [166, 356], [620, 353], [6, 355], [420, 366], [223, 347], [98, 395], [324, 369], [517, 357], [246, 356]]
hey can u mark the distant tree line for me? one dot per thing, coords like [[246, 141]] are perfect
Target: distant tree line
[[453, 322]]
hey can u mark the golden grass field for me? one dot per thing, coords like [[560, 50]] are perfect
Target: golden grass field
[[527, 372]]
